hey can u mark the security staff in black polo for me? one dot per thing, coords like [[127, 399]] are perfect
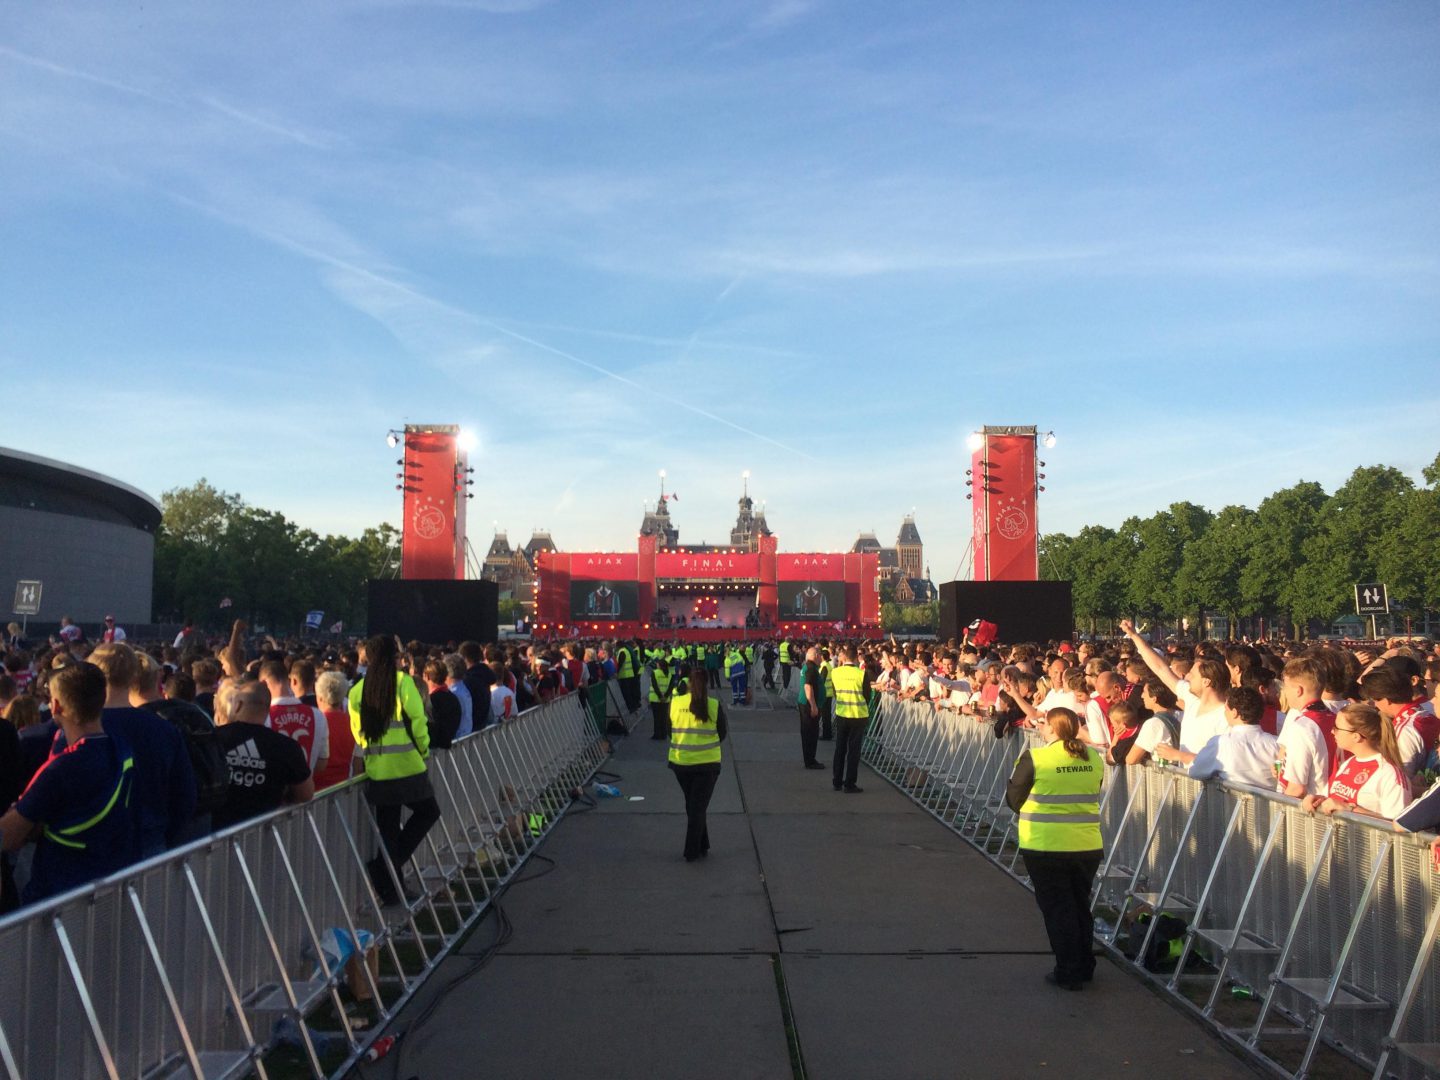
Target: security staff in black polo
[[1055, 790], [852, 714]]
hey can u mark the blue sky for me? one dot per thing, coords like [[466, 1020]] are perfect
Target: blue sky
[[819, 241]]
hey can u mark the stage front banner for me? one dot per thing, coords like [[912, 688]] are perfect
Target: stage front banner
[[604, 567], [797, 567], [679, 564]]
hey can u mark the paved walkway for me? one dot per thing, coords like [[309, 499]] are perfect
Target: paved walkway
[[891, 947]]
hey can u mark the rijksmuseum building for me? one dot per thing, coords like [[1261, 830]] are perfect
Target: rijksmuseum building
[[674, 588]]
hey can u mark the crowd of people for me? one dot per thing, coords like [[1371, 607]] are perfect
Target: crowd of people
[[113, 752], [1339, 729]]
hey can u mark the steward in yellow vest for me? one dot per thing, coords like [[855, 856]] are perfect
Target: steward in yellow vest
[[852, 715], [785, 662], [660, 685], [627, 674], [1055, 790], [697, 728], [387, 718]]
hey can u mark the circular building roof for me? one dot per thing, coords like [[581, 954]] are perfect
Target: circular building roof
[[31, 482]]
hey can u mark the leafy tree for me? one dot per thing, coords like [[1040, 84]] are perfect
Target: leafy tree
[[212, 545], [1099, 581], [1212, 564], [1154, 585], [1357, 531], [1284, 522]]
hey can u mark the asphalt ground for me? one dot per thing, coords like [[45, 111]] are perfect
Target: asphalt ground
[[827, 935]]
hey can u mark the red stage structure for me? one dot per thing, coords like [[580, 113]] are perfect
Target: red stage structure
[[1003, 481], [432, 540], [706, 593]]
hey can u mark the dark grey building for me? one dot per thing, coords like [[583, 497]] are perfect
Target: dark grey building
[[88, 538]]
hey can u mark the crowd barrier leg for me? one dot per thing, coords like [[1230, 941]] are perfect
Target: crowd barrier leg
[[1423, 1053], [1225, 942], [287, 997], [1324, 993]]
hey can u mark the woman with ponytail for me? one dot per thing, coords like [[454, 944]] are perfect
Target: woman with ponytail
[[697, 728], [387, 717], [1371, 780], [1055, 790]]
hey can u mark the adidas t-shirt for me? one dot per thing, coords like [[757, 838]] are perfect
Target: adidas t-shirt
[[262, 764]]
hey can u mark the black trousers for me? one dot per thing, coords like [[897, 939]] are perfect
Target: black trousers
[[713, 674], [785, 676], [1062, 881], [400, 843], [630, 692], [809, 733], [827, 718], [660, 710], [849, 732], [698, 784]]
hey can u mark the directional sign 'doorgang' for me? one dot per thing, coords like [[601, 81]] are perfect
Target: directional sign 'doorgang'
[[1372, 598], [27, 598]]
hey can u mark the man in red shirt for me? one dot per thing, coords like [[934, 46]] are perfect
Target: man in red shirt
[[289, 716]]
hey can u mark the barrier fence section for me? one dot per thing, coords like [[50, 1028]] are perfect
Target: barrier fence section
[[193, 964], [1207, 886]]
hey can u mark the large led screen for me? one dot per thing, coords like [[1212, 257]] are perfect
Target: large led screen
[[602, 601], [812, 600]]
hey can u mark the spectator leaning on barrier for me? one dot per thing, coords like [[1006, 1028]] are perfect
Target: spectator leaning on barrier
[[1372, 780], [387, 718], [1306, 752], [1244, 753], [78, 808], [1201, 693]]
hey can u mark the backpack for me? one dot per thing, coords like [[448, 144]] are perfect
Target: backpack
[[207, 755]]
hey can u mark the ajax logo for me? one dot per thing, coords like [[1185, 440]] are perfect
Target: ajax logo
[[1012, 522], [429, 522]]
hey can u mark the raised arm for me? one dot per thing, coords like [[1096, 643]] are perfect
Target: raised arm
[[1153, 660]]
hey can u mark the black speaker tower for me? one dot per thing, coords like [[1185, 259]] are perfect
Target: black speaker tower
[[1033, 611], [435, 611]]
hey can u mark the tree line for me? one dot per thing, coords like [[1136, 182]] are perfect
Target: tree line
[[217, 558], [1294, 558]]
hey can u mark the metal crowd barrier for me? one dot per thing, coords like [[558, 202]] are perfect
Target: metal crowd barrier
[[1332, 920], [190, 965]]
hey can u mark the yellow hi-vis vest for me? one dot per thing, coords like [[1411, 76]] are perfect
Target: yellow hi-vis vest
[[659, 684], [784, 652], [693, 741], [825, 673], [625, 663], [1063, 810], [396, 755], [850, 692], [734, 664]]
